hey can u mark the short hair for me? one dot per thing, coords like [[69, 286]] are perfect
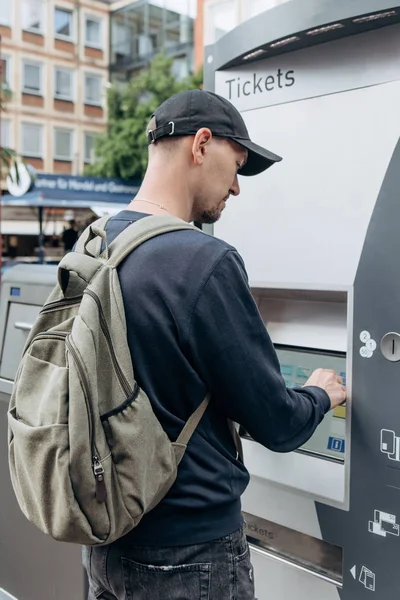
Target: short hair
[[167, 143]]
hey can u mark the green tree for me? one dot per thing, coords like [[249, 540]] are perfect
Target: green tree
[[122, 151]]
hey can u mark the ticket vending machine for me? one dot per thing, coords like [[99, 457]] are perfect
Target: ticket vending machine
[[319, 84], [32, 565]]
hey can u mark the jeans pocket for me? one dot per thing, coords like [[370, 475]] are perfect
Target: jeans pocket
[[243, 579], [181, 582], [95, 563]]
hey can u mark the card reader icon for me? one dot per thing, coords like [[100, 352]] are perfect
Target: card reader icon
[[384, 524], [367, 578], [390, 444]]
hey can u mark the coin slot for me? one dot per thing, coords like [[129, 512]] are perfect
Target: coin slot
[[390, 346]]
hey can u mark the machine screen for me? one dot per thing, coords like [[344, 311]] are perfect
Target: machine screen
[[296, 367]]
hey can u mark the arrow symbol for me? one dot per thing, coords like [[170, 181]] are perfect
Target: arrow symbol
[[353, 571]]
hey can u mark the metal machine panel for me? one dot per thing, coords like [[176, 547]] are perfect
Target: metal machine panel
[[370, 531], [20, 319], [305, 551], [24, 289], [32, 565]]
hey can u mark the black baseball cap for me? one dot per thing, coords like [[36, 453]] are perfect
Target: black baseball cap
[[187, 112]]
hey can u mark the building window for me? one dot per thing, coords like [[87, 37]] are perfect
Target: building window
[[5, 71], [32, 15], [178, 29], [5, 134], [93, 89], [63, 23], [180, 67], [63, 84], [93, 32], [89, 147], [32, 78], [6, 7], [121, 41], [32, 140], [63, 144]]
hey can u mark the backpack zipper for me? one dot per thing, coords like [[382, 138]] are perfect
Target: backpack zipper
[[98, 470], [103, 323], [59, 304]]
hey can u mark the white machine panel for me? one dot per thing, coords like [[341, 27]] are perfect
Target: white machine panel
[[309, 213]]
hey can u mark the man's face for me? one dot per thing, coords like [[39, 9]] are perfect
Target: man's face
[[218, 179]]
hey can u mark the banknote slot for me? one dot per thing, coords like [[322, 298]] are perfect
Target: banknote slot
[[296, 549]]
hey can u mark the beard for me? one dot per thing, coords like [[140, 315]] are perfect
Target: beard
[[210, 216]]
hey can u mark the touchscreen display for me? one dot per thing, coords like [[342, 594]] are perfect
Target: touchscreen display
[[296, 367]]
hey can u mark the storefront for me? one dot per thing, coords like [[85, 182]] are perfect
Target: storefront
[[37, 210]]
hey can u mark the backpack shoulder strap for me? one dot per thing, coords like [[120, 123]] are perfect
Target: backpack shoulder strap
[[194, 420], [141, 231], [95, 231]]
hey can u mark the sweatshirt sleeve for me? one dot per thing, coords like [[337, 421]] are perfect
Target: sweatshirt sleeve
[[232, 352]]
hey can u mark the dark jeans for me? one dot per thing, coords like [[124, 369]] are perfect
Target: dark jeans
[[218, 570]]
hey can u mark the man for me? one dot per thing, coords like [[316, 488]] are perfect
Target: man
[[193, 328], [70, 236]]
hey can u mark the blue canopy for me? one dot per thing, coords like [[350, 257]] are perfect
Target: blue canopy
[[68, 191]]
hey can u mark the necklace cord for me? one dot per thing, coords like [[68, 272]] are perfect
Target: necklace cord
[[150, 202]]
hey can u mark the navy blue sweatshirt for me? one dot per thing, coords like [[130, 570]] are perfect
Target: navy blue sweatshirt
[[193, 328]]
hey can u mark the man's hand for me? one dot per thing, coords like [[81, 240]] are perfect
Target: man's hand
[[331, 382]]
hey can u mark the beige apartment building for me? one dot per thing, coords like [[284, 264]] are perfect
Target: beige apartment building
[[55, 58]]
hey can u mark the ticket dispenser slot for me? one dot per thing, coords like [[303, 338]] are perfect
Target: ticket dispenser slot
[[294, 548]]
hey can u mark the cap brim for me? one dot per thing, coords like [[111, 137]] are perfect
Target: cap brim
[[259, 159]]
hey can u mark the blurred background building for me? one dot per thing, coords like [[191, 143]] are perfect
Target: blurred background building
[[58, 58], [55, 61], [140, 30]]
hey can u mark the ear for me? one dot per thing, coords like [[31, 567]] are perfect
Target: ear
[[200, 145]]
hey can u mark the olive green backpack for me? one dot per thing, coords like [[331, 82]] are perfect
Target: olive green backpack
[[87, 455]]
